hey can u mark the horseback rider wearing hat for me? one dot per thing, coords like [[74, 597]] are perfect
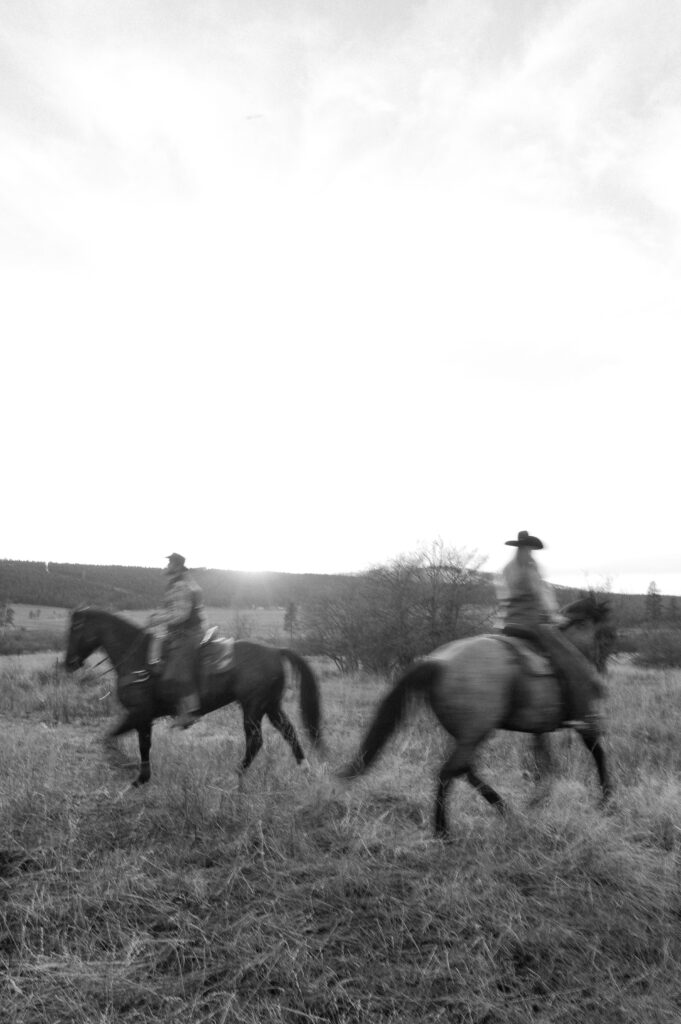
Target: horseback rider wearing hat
[[183, 617], [528, 609]]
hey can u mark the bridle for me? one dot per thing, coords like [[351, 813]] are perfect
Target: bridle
[[113, 666]]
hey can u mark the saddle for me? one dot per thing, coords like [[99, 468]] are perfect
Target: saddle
[[216, 653], [532, 661]]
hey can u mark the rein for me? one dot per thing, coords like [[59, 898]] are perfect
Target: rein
[[101, 662]]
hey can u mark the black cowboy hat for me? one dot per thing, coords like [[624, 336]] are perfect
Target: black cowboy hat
[[175, 562], [526, 540]]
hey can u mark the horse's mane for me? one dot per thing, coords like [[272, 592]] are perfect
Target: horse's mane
[[102, 614], [593, 607]]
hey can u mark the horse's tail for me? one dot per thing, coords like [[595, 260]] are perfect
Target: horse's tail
[[389, 714], [310, 704]]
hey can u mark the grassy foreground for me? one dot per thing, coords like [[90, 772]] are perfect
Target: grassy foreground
[[298, 899]]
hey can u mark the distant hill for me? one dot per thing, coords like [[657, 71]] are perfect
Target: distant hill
[[118, 587]]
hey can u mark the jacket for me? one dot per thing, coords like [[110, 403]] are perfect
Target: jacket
[[183, 610], [525, 599]]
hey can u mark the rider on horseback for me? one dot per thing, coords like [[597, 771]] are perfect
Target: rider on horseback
[[528, 609], [183, 617]]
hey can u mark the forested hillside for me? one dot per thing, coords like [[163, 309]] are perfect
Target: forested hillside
[[136, 587]]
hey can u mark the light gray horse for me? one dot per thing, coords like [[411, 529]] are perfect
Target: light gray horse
[[480, 684]]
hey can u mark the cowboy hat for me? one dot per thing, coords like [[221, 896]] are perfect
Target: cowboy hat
[[175, 562], [526, 540]]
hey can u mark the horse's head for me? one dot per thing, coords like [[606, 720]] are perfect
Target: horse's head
[[83, 638], [589, 628]]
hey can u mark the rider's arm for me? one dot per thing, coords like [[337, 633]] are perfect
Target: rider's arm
[[546, 597]]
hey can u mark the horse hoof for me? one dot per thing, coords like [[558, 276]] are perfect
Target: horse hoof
[[114, 756], [607, 801]]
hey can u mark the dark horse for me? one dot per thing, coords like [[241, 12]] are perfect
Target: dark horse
[[484, 683], [255, 678]]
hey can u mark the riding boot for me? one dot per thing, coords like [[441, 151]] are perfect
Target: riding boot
[[189, 712]]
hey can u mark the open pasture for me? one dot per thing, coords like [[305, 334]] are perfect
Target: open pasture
[[260, 623], [39, 617], [263, 624], [296, 898]]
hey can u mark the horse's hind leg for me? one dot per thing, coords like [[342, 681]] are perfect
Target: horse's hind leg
[[253, 730], [490, 795], [539, 760], [282, 723], [456, 765]]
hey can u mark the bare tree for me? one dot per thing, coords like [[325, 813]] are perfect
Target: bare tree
[[393, 613], [334, 624]]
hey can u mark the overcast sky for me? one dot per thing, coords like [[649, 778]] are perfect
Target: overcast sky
[[304, 285]]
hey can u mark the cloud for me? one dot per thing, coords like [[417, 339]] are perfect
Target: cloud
[[550, 103]]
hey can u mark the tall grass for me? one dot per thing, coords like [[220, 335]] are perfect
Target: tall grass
[[37, 686], [24, 641], [295, 899]]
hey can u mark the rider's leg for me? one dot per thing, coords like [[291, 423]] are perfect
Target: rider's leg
[[578, 679], [580, 682], [158, 637], [180, 674]]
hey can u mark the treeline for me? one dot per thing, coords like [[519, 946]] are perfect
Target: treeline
[[119, 588], [653, 637], [66, 586]]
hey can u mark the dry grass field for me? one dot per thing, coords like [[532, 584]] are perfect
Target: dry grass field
[[297, 899]]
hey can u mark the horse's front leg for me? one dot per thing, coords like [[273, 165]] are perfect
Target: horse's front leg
[[539, 760], [112, 751], [144, 737], [541, 767], [594, 743]]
